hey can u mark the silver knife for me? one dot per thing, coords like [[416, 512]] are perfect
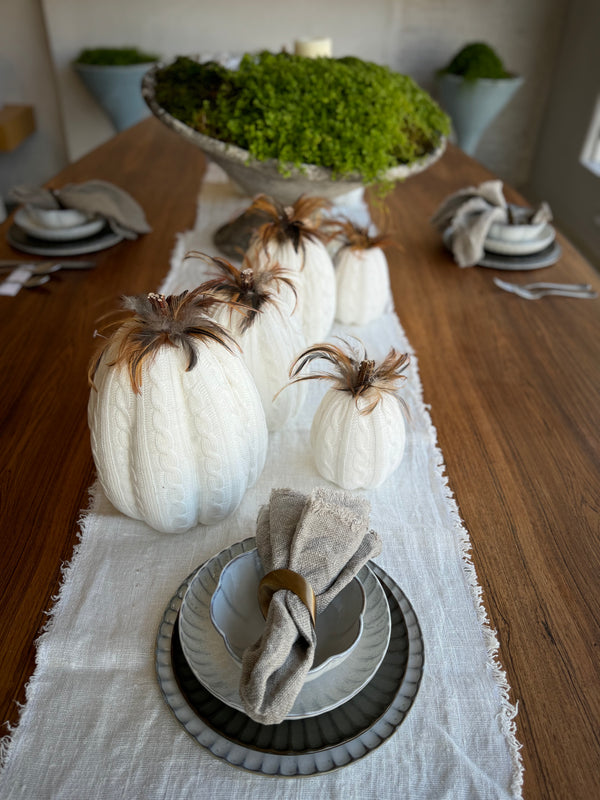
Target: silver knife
[[41, 267]]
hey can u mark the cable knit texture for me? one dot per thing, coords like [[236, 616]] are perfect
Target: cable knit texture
[[184, 450], [363, 285], [324, 537], [269, 346], [354, 450], [315, 283]]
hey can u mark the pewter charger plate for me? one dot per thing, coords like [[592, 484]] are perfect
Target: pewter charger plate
[[102, 240], [302, 747]]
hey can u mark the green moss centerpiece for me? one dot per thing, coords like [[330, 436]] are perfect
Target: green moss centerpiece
[[287, 125]]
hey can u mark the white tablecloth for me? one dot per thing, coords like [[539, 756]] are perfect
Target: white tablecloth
[[95, 724]]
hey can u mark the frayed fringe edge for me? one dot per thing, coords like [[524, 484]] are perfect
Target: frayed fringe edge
[[56, 601], [508, 712]]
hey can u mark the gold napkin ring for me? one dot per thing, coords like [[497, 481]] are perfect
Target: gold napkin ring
[[286, 579]]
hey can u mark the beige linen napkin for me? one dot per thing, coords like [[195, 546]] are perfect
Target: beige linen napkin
[[96, 197], [470, 213], [325, 537]]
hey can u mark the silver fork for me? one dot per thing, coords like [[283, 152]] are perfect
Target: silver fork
[[533, 291]]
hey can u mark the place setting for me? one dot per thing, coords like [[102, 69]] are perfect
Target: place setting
[[326, 676], [481, 229], [76, 219]]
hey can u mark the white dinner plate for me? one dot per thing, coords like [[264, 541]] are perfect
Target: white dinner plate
[[24, 221], [215, 668], [297, 748], [20, 240], [523, 248]]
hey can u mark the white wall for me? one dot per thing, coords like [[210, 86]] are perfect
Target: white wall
[[26, 76], [558, 176], [409, 35]]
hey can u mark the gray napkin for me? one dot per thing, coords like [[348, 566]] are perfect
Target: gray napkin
[[325, 537], [95, 197], [469, 213]]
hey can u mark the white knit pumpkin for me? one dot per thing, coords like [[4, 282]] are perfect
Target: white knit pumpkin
[[267, 331], [358, 433], [185, 449], [294, 242], [315, 283], [354, 450], [363, 285]]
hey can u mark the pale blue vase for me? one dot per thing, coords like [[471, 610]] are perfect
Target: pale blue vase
[[118, 90], [474, 104]]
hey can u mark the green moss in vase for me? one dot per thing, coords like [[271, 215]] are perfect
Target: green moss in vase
[[348, 115], [475, 61], [115, 56]]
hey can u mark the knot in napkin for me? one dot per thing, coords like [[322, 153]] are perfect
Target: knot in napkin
[[325, 538], [469, 214], [96, 198]]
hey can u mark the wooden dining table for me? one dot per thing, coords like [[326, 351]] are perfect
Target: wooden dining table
[[514, 391]]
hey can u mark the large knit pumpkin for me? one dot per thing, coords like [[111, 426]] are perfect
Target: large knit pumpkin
[[294, 239], [258, 314], [177, 427], [358, 433]]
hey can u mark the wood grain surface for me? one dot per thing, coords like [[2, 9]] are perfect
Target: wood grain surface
[[514, 388]]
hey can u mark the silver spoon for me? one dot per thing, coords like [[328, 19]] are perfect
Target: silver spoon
[[34, 281]]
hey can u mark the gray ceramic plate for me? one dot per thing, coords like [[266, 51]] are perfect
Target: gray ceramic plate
[[297, 747], [17, 238], [215, 668], [544, 258]]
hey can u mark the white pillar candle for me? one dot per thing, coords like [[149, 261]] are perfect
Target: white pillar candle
[[312, 48]]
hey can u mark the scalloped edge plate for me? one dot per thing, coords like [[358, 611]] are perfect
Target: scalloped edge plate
[[215, 668], [403, 672]]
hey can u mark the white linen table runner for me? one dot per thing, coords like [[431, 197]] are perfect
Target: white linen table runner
[[95, 725]]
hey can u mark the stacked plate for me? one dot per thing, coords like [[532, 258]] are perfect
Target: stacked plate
[[520, 245], [339, 716], [59, 232]]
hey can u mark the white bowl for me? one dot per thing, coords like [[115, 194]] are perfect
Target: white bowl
[[56, 217], [236, 615], [519, 231]]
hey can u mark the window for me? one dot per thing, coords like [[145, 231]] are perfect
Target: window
[[590, 155]]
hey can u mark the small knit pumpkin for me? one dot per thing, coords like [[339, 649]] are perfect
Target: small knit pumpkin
[[177, 427], [294, 239], [358, 432], [362, 276]]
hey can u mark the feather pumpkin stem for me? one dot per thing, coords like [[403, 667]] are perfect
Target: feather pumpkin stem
[[365, 372], [297, 223], [247, 290], [158, 302], [247, 280], [149, 322], [358, 238], [353, 372]]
